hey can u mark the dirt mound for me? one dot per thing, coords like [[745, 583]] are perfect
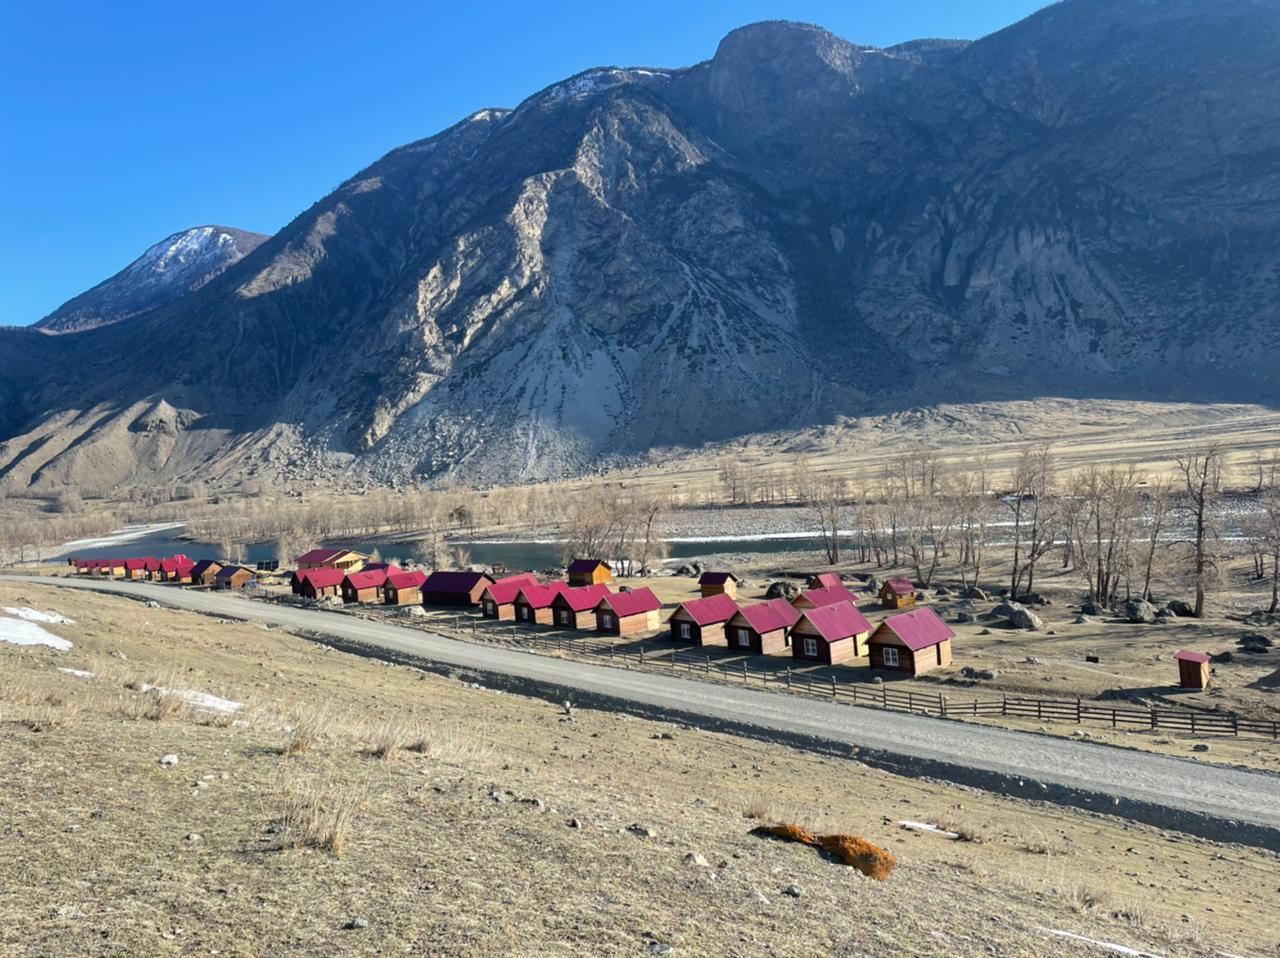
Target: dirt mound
[[872, 860]]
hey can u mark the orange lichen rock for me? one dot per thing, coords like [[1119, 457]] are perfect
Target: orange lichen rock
[[872, 860]]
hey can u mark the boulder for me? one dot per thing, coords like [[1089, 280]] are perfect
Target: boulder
[[1006, 609], [1255, 643], [942, 591], [1139, 610], [1091, 607], [966, 617], [1026, 619], [969, 672], [1182, 610], [922, 596], [973, 592], [1222, 658], [873, 584], [1083, 619], [782, 590]]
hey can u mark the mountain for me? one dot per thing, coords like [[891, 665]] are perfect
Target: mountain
[[174, 267], [798, 230]]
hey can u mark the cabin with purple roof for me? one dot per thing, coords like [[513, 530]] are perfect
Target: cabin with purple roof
[[913, 643], [830, 634], [461, 589], [589, 572], [761, 629], [718, 583], [898, 594], [701, 621]]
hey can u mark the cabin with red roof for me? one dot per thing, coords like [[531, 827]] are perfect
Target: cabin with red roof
[[825, 580], [1193, 670], [898, 594], [498, 601], [913, 642], [830, 634], [701, 621], [573, 608], [533, 603], [153, 569], [404, 588], [344, 559], [135, 568], [319, 583], [114, 567], [366, 585], [761, 629], [176, 569], [461, 589], [626, 613], [584, 572], [718, 583], [830, 595]]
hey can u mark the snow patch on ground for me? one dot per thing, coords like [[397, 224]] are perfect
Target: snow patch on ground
[[35, 615], [78, 673], [127, 534], [19, 632], [200, 700], [1103, 945], [926, 827]]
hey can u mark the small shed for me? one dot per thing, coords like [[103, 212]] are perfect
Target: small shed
[[584, 572], [366, 585], [897, 594], [626, 613], [718, 583], [762, 628], [404, 588], [321, 582], [913, 642], [573, 606], [203, 572], [830, 634], [532, 605], [701, 621], [830, 595], [233, 577], [460, 589], [826, 580], [1193, 670], [498, 601]]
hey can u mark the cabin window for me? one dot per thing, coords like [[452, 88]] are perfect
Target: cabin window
[[525, 612], [607, 619], [564, 617], [811, 647], [891, 658], [685, 631], [744, 638]]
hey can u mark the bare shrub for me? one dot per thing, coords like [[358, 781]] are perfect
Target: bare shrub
[[318, 815], [454, 744], [389, 738], [162, 703], [306, 730], [965, 831], [767, 808]]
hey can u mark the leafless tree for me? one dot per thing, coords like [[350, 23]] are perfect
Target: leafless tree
[[1159, 502], [1201, 471]]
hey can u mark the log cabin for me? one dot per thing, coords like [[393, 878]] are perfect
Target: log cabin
[[366, 585], [233, 577], [626, 613], [204, 571], [701, 621], [574, 608], [498, 601], [460, 589], [320, 583], [912, 642], [830, 595], [830, 634], [897, 594], [533, 603], [584, 572], [404, 588], [761, 629], [343, 559], [718, 583]]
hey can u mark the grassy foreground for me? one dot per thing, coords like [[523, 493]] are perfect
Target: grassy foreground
[[353, 807]]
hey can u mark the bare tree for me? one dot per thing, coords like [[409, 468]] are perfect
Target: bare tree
[[827, 503], [1159, 500], [1201, 471]]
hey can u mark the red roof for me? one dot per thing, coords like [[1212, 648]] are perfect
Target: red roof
[[587, 565], [826, 580], [369, 578], [541, 596], [584, 597], [837, 621], [770, 616], [319, 555], [919, 628], [504, 591], [1188, 656], [458, 583], [322, 578], [177, 564], [135, 563], [634, 602], [406, 580], [716, 578], [153, 564], [829, 596], [900, 586], [712, 610]]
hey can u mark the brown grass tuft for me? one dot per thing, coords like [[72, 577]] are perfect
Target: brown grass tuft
[[318, 815], [388, 739], [162, 703], [453, 744], [308, 727]]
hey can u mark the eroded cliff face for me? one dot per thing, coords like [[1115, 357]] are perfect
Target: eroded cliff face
[[797, 230]]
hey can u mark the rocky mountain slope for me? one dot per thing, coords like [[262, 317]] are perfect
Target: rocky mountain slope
[[797, 230], [174, 267]]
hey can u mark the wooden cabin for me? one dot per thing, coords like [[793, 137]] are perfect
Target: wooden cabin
[[701, 621], [584, 572], [344, 559], [897, 594], [498, 601], [532, 604], [913, 642], [404, 588], [319, 583], [1193, 670], [233, 577], [135, 568], [574, 608], [718, 583], [204, 571], [825, 580], [455, 589], [830, 634], [176, 569], [761, 629], [153, 569], [366, 585], [815, 598], [115, 567], [626, 613]]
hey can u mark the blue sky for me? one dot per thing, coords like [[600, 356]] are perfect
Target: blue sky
[[125, 122]]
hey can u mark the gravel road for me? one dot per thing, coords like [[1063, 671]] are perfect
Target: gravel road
[[1215, 801]]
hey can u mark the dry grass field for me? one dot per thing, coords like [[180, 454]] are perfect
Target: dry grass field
[[352, 807]]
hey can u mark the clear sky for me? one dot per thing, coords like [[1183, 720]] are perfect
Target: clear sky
[[123, 122]]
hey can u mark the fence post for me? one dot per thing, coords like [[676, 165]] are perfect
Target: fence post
[[1004, 703], [911, 705], [833, 686], [1077, 710], [744, 671], [1193, 723], [708, 663], [1039, 710], [1235, 724], [1154, 720], [642, 655], [884, 696], [788, 678], [942, 705], [1113, 718]]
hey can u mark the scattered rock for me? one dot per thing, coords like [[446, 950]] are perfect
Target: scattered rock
[[973, 592], [194, 837], [641, 831], [1200, 747], [969, 672], [658, 948], [169, 759], [795, 891], [1139, 611], [1222, 657], [1007, 608], [1090, 607], [1255, 643], [415, 611], [966, 617], [693, 858], [1083, 620], [782, 590], [355, 924], [759, 897], [574, 823], [1031, 660], [1182, 610], [1026, 619], [665, 736], [152, 604], [942, 590]]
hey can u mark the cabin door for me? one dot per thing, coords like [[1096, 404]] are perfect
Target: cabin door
[[744, 638]]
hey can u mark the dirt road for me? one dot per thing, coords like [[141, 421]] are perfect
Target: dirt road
[[1223, 803]]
